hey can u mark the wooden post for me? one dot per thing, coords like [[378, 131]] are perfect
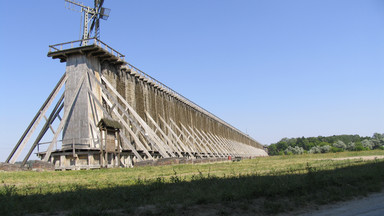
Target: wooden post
[[101, 148], [117, 134]]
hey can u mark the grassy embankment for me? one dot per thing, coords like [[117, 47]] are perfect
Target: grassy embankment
[[263, 185]]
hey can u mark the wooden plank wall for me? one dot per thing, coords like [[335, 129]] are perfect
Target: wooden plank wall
[[144, 97]]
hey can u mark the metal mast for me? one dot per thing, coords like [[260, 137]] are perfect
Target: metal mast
[[92, 15]]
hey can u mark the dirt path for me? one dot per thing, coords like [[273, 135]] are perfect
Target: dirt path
[[372, 205], [373, 157]]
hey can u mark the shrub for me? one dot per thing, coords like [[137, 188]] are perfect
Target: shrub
[[320, 149], [351, 146], [340, 144], [323, 144], [315, 150], [377, 140], [325, 149], [359, 146], [335, 149], [294, 150], [287, 151], [367, 144]]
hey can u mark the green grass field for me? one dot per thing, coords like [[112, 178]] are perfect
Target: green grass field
[[266, 185]]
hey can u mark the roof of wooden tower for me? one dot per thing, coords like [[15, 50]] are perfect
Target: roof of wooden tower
[[109, 123]]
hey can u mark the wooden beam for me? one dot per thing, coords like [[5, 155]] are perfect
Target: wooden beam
[[161, 150], [171, 144], [35, 122], [227, 150], [142, 123], [214, 142], [191, 146], [50, 127], [130, 146], [210, 145], [173, 133], [232, 151], [55, 112], [125, 125], [65, 117], [205, 150]]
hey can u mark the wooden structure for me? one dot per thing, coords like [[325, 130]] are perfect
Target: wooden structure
[[110, 145], [111, 114]]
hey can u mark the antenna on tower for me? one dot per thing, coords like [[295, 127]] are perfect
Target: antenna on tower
[[93, 16]]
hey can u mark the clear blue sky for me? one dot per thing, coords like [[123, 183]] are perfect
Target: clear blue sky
[[272, 68]]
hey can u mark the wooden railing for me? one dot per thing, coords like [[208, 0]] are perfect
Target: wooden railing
[[79, 43]]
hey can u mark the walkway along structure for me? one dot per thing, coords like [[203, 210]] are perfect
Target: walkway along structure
[[111, 114]]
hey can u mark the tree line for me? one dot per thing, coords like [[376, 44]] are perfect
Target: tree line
[[320, 144]]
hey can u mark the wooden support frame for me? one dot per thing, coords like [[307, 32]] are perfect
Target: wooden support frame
[[167, 139], [136, 116], [214, 142], [211, 150], [223, 144], [63, 120], [207, 151], [95, 116], [193, 147], [226, 144], [209, 145], [55, 112], [153, 135], [126, 125], [173, 133], [129, 129], [137, 125], [35, 122], [233, 147], [197, 143], [218, 143]]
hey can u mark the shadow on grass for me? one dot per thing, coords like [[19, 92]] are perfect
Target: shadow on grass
[[279, 192]]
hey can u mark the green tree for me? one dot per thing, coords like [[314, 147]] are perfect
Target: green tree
[[351, 146], [324, 144], [367, 144], [377, 140], [359, 146], [272, 150], [294, 150], [282, 145], [339, 144]]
